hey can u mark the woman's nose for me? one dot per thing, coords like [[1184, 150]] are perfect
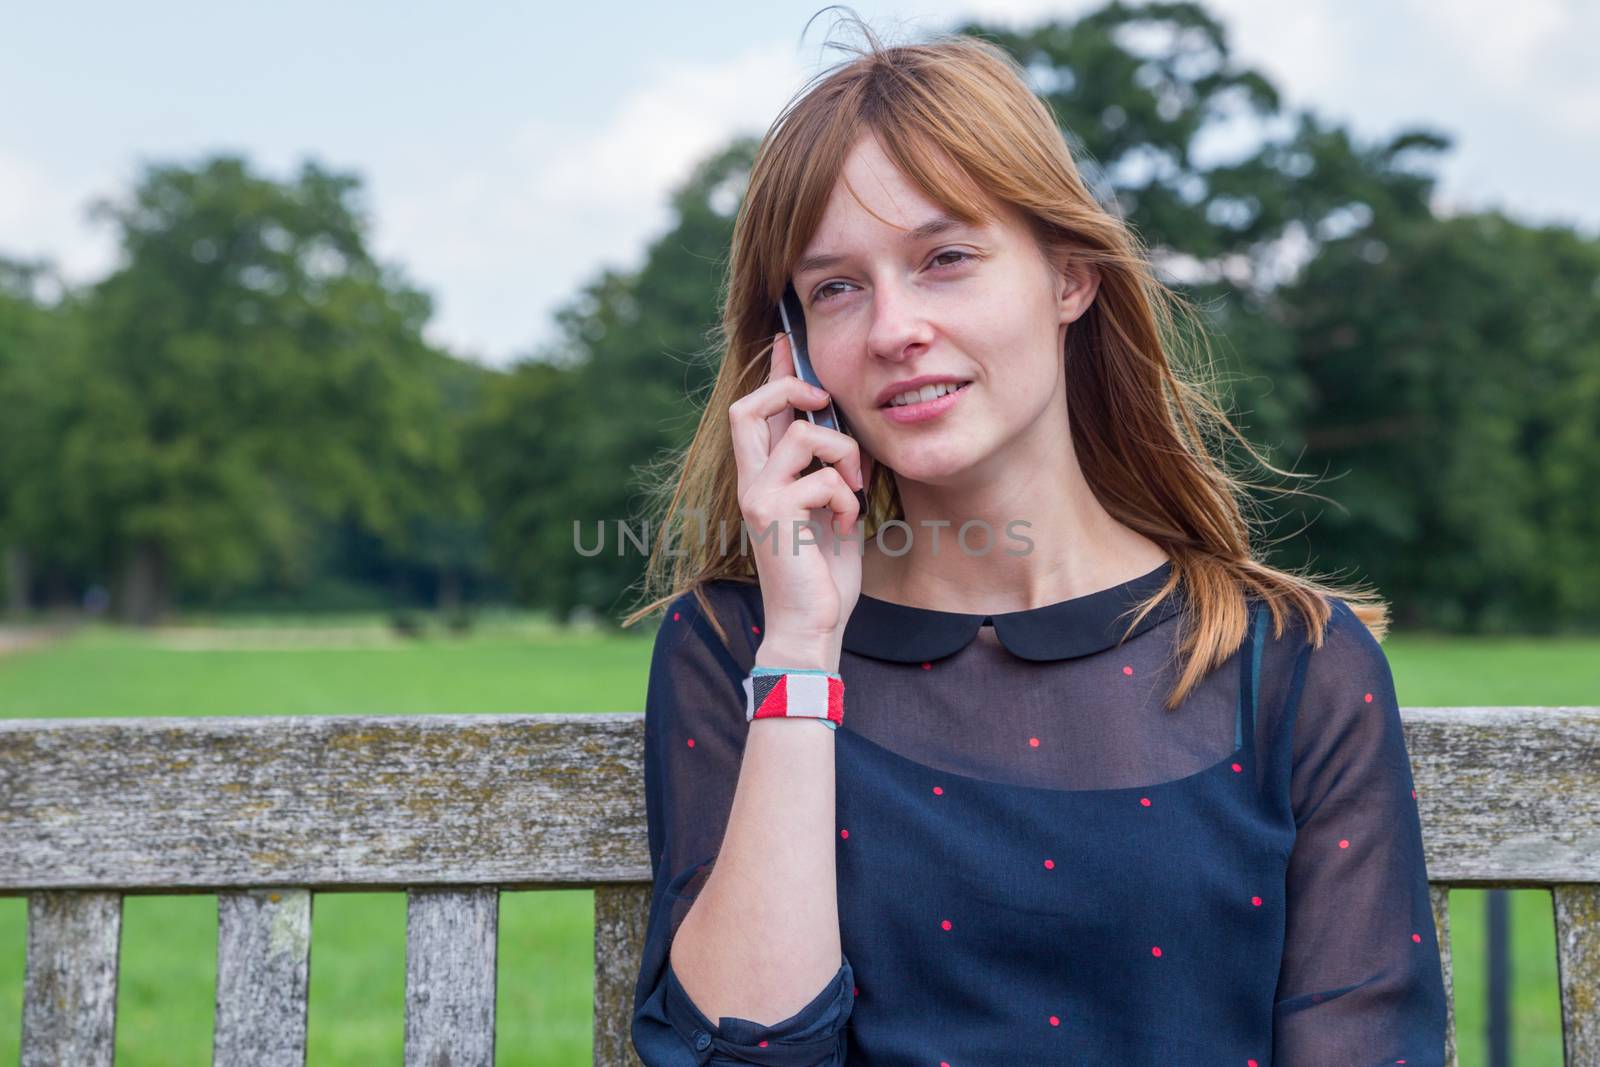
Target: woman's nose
[[899, 322]]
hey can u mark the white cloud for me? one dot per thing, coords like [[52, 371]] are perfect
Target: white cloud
[[660, 131], [506, 241], [42, 216], [1496, 48], [1517, 91], [502, 231]]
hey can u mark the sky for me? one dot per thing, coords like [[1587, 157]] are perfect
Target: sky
[[510, 152]]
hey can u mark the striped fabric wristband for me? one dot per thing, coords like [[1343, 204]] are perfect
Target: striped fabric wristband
[[794, 693]]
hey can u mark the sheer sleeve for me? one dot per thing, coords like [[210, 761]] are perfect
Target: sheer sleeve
[[1360, 981], [695, 730]]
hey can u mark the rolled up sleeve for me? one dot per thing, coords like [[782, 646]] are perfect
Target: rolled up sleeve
[[695, 730], [1360, 980]]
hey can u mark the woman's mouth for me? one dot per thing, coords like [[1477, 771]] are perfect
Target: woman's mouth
[[904, 409]]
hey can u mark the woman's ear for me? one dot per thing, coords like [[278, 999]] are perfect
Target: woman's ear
[[1076, 286]]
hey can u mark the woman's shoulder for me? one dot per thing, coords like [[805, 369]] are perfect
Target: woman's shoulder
[[723, 594], [724, 611], [738, 596], [1320, 661], [1293, 629]]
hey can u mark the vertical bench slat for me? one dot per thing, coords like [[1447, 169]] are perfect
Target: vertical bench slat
[[69, 1001], [263, 974], [1439, 898], [1577, 911], [451, 940], [621, 918]]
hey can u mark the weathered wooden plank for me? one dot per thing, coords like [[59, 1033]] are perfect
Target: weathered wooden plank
[[1577, 910], [263, 974], [1439, 898], [520, 801], [1508, 796], [69, 1000], [451, 940], [621, 915]]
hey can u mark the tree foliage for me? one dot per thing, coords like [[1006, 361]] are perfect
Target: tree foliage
[[247, 375], [247, 403]]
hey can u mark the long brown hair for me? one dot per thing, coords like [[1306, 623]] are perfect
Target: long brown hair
[[1140, 401]]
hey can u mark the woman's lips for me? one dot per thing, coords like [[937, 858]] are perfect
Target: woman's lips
[[923, 410]]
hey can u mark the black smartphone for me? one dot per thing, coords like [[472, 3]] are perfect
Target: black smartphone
[[794, 326]]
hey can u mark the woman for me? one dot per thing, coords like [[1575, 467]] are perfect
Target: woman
[[1110, 790]]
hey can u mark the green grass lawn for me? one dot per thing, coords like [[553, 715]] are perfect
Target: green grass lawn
[[509, 665]]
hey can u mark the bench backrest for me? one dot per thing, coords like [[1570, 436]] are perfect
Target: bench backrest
[[453, 809]]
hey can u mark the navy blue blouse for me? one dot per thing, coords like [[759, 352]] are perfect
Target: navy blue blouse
[[1039, 863]]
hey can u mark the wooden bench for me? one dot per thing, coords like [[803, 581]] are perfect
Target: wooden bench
[[265, 812]]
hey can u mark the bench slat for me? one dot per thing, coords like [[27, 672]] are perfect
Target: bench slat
[[451, 941], [344, 801], [470, 805], [1577, 911], [1439, 898], [621, 919], [1493, 813], [69, 1000], [555, 801], [263, 975]]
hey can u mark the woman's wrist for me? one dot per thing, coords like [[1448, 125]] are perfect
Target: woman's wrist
[[794, 693], [810, 653]]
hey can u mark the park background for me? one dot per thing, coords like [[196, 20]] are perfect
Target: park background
[[317, 335]]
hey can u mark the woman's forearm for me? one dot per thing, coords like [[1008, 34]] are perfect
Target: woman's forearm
[[762, 937]]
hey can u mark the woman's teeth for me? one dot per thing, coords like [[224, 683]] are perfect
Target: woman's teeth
[[926, 393]]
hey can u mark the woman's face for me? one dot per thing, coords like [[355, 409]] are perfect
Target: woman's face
[[953, 303]]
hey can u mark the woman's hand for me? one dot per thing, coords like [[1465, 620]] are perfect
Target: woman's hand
[[807, 590]]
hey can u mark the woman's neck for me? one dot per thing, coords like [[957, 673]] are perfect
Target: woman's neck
[[1065, 551]]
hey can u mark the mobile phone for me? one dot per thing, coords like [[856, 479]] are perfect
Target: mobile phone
[[794, 326]]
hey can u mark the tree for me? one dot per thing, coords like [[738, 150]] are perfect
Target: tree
[[252, 369], [1454, 367], [40, 366], [1344, 307], [1140, 91], [566, 435]]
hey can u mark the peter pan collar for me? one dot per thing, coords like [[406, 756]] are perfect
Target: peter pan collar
[[1080, 626]]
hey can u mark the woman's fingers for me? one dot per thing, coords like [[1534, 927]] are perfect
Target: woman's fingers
[[805, 441], [804, 592], [762, 417], [750, 419], [773, 448], [826, 488], [781, 363], [823, 488]]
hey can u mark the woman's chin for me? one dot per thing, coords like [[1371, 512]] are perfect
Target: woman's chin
[[934, 465]]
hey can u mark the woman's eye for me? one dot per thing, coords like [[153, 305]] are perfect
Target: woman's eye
[[825, 291]]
